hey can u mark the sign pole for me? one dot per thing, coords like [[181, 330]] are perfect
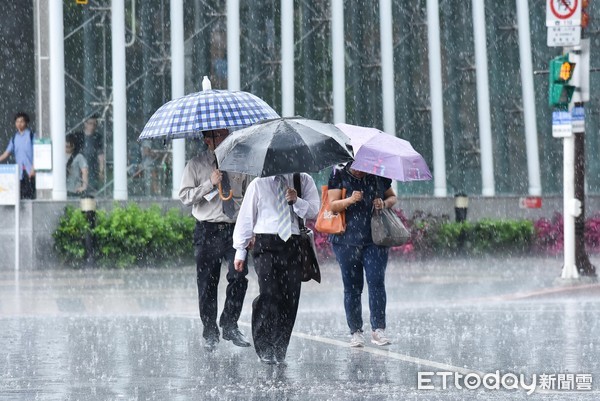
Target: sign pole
[[10, 196], [570, 209], [582, 261], [17, 215], [565, 20]]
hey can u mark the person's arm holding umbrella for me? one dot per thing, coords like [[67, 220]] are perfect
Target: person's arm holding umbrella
[[193, 187], [334, 193], [338, 204], [306, 207]]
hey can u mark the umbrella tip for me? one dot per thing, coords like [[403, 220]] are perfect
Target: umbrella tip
[[206, 85]]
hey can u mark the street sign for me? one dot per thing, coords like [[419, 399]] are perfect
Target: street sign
[[42, 154], [561, 124], [578, 119], [563, 12], [530, 202], [563, 35], [9, 184]]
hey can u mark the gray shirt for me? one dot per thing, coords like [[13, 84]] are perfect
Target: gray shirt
[[74, 176], [197, 191]]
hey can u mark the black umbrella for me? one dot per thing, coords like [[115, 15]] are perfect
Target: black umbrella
[[282, 146]]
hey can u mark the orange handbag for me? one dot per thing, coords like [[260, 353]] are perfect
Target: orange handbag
[[327, 221]]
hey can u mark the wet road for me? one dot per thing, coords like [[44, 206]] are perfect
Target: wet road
[[135, 335]]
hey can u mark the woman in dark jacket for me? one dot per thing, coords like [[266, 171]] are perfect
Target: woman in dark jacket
[[355, 251]]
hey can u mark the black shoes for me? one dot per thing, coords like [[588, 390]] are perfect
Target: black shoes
[[236, 337], [269, 360], [210, 343]]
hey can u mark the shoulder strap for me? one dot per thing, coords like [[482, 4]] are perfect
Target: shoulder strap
[[31, 135], [298, 188]]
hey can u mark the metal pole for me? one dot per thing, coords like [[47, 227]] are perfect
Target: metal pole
[[233, 44], [529, 113], [582, 261], [338, 47], [483, 99], [57, 99], [387, 67], [287, 58], [38, 84], [436, 94], [569, 206], [89, 61], [17, 218], [177, 89], [119, 100]]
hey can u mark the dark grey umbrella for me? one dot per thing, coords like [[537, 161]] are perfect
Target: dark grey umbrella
[[282, 146]]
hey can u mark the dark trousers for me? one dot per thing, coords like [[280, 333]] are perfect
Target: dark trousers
[[277, 265], [214, 245], [27, 186], [356, 262]]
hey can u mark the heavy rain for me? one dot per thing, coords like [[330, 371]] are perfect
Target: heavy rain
[[105, 248]]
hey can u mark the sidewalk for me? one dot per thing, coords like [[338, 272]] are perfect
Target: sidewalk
[[135, 335]]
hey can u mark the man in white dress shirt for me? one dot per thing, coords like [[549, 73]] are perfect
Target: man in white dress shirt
[[277, 261]]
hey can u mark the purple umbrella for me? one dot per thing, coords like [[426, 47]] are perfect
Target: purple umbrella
[[385, 155]]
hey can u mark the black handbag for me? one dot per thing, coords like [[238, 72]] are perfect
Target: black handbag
[[308, 254]]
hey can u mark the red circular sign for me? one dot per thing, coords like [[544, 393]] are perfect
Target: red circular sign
[[563, 9]]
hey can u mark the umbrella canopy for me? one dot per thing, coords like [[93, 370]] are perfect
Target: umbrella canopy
[[385, 155], [282, 146], [210, 109]]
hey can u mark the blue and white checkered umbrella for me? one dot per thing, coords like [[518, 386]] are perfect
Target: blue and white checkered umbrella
[[210, 109]]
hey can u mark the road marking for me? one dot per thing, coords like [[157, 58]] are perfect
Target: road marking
[[381, 352]]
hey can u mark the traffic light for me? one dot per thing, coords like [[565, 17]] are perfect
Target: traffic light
[[561, 72]]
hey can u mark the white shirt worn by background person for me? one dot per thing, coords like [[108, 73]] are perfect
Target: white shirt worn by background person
[[258, 213]]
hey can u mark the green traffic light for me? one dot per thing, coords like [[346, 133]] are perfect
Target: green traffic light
[[561, 72]]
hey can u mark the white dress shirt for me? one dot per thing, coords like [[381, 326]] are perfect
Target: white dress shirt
[[258, 213]]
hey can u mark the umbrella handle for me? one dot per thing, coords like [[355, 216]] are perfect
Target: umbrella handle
[[223, 197]]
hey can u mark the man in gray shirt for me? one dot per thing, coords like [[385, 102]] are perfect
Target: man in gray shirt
[[215, 220]]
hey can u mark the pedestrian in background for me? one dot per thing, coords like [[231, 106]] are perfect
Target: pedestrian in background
[[21, 145], [93, 151], [266, 216], [77, 166], [355, 251], [215, 220]]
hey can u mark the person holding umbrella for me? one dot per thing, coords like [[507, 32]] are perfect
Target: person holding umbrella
[[269, 214], [355, 251], [215, 214]]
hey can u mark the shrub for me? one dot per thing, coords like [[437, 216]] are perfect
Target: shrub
[[70, 234], [437, 235], [549, 234], [132, 236], [486, 235], [126, 236]]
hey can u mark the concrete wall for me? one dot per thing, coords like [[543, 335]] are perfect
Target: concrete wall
[[39, 218]]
